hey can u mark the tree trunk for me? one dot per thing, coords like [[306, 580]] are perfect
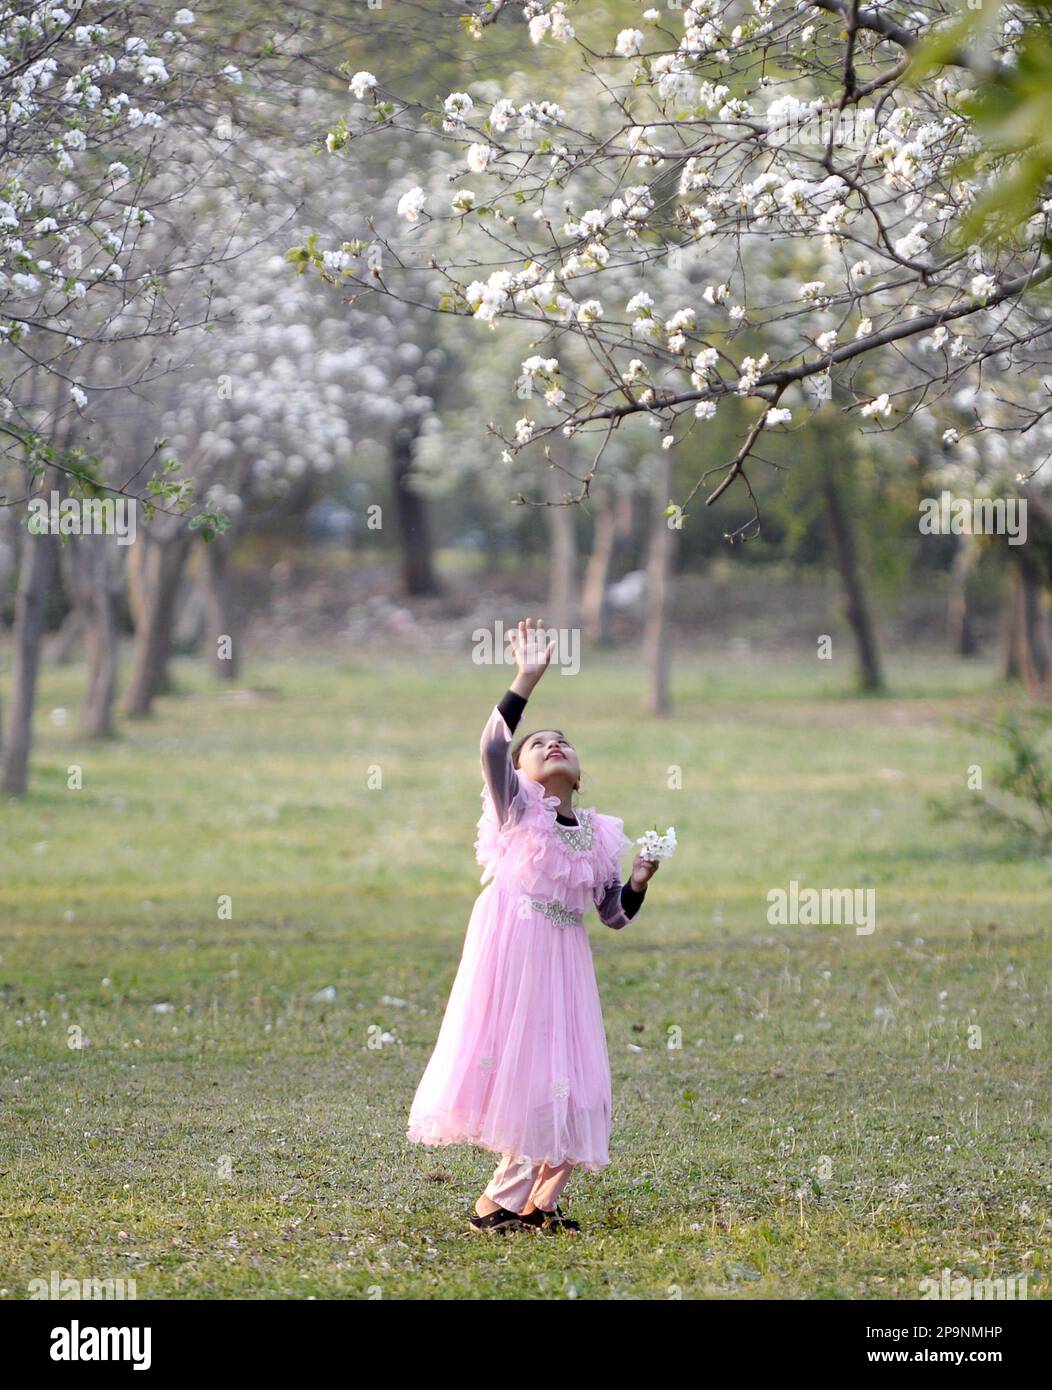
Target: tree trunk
[[35, 573], [11, 539], [224, 646], [856, 602], [563, 607], [612, 527], [61, 647], [1013, 610], [93, 574], [155, 567], [961, 618], [11, 534], [1032, 626], [659, 590], [414, 528]]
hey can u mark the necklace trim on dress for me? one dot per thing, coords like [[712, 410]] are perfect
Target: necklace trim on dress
[[578, 836]]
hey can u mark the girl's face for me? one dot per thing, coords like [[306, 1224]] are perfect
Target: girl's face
[[550, 758]]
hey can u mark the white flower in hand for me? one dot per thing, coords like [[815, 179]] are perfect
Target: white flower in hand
[[657, 847]]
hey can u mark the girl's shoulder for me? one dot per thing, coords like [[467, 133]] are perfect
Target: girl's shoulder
[[608, 833], [529, 813], [528, 802], [531, 820]]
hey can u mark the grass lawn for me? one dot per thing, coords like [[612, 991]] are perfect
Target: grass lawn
[[827, 1128]]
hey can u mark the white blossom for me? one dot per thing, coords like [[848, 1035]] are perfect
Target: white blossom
[[457, 106], [547, 366], [489, 296], [913, 243], [361, 83], [983, 286], [751, 371], [555, 22], [655, 846], [502, 114], [411, 204], [629, 43]]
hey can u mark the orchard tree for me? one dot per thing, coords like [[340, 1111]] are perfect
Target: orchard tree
[[93, 96], [134, 150]]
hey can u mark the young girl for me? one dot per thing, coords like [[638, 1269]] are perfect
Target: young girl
[[521, 1064]]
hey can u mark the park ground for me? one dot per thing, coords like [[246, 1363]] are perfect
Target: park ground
[[832, 1125]]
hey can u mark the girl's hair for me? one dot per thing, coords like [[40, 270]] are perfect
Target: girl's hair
[[521, 744]]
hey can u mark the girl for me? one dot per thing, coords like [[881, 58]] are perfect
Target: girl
[[521, 1064]]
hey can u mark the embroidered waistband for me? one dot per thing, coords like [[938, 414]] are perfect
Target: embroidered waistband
[[559, 914]]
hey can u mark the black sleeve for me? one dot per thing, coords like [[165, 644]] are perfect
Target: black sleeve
[[631, 901], [511, 707]]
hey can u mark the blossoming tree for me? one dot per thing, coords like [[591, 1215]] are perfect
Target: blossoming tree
[[735, 142], [91, 97]]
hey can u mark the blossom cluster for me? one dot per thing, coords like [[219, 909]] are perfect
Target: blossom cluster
[[655, 846]]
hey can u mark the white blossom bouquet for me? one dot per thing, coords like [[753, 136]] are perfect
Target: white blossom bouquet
[[655, 846]]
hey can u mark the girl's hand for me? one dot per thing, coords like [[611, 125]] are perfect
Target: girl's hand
[[532, 654], [642, 871]]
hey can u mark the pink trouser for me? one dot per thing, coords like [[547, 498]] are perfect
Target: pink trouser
[[515, 1184]]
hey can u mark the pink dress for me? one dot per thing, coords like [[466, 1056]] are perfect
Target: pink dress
[[521, 1064]]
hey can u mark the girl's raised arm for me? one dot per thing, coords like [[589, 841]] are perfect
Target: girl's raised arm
[[532, 655], [495, 751]]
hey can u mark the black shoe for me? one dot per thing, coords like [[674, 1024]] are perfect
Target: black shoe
[[550, 1221], [499, 1220]]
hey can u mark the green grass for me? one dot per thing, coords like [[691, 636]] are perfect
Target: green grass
[[251, 1143]]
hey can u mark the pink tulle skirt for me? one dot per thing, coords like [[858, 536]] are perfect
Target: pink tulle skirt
[[521, 1064]]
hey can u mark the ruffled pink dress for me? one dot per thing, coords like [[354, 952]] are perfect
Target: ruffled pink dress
[[521, 1064]]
